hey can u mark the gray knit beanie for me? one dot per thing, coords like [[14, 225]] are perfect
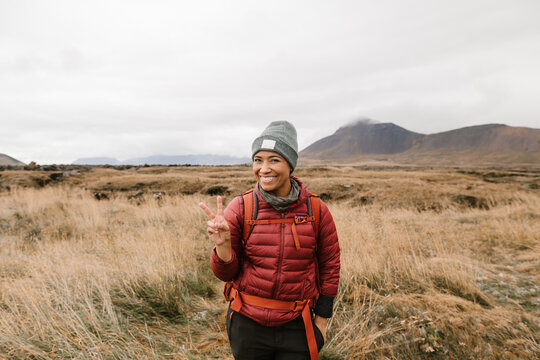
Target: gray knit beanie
[[279, 137]]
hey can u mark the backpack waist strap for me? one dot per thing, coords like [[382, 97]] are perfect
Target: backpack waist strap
[[238, 298]]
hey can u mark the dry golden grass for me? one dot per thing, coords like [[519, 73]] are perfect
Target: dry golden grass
[[435, 263], [96, 279]]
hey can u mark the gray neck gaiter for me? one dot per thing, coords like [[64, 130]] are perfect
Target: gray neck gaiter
[[281, 203]]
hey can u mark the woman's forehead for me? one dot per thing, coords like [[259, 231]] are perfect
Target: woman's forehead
[[267, 154]]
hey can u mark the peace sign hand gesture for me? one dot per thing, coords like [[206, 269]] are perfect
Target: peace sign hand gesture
[[218, 230]]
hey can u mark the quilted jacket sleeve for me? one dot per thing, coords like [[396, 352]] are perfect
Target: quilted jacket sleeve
[[227, 271], [328, 255]]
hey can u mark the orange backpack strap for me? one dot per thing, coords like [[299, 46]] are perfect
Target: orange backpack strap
[[250, 213], [314, 209]]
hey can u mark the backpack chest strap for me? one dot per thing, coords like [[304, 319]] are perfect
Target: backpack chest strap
[[296, 220]]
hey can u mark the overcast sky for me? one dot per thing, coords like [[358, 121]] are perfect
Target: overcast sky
[[136, 78]]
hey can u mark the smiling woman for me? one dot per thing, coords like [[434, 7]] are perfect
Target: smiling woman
[[276, 247]]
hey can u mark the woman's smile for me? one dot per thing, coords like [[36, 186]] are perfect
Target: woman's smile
[[267, 179]]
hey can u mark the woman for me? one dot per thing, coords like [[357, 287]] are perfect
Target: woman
[[277, 248]]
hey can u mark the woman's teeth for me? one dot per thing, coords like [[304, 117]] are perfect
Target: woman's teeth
[[267, 179]]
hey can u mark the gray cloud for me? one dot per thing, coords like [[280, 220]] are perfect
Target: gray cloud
[[134, 78]]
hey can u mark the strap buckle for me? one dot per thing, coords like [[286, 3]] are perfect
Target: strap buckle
[[299, 305], [298, 219]]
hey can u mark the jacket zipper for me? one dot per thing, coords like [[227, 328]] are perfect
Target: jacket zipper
[[280, 257]]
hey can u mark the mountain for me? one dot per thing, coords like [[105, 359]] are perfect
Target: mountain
[[206, 159], [8, 160], [97, 161], [491, 137], [363, 138]]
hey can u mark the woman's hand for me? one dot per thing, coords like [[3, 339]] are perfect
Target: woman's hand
[[321, 322], [218, 230]]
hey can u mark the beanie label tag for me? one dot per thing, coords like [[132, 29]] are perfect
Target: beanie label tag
[[268, 144]]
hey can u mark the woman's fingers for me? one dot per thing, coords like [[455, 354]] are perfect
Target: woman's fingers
[[207, 210], [223, 224], [219, 206], [218, 225], [218, 228]]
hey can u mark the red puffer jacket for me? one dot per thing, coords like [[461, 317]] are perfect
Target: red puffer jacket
[[270, 266]]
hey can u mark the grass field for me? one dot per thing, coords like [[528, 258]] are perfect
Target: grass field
[[113, 263]]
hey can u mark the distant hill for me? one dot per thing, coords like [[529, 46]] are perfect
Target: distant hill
[[363, 138], [206, 159], [97, 161], [491, 137], [8, 160]]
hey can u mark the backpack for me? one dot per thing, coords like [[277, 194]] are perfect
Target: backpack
[[251, 207], [236, 298]]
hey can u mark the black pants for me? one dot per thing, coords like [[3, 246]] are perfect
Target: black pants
[[251, 341]]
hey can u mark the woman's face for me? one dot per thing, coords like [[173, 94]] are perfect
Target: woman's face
[[272, 172]]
